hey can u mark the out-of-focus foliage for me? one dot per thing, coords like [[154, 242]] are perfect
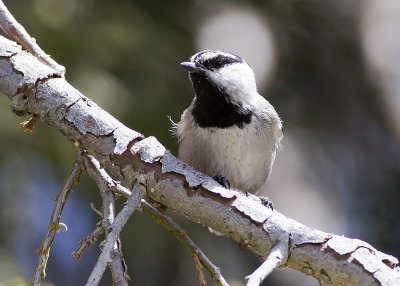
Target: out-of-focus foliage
[[341, 155]]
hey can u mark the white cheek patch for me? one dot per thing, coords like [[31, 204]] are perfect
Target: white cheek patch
[[237, 80]]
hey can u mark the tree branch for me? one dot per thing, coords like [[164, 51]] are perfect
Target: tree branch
[[55, 225], [117, 263], [17, 32], [105, 257], [34, 88], [103, 180], [275, 258], [194, 250], [88, 241]]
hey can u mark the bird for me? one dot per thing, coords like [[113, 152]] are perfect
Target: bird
[[229, 132]]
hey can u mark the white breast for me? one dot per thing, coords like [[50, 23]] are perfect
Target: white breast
[[245, 156]]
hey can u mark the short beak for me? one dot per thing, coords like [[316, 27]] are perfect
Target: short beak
[[191, 67]]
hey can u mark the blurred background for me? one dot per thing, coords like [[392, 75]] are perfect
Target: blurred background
[[331, 69]]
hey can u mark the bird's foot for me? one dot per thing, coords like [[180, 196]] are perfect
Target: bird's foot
[[223, 181], [266, 202]]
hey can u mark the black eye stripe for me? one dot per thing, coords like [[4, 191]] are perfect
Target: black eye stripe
[[219, 61]]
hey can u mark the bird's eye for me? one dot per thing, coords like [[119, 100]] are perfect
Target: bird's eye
[[219, 62]]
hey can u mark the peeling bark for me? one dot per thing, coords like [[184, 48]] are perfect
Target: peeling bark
[[36, 89]]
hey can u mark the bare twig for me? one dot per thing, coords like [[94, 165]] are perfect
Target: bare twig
[[17, 32], [277, 255], [55, 225], [102, 178], [194, 250], [96, 210], [131, 204], [199, 269], [117, 263], [104, 182], [88, 241]]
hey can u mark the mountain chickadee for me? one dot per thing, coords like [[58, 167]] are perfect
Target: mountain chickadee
[[229, 131]]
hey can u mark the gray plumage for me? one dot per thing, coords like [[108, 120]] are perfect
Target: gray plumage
[[229, 129]]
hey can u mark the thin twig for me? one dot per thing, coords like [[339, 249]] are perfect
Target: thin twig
[[17, 32], [194, 250], [133, 202], [117, 263], [199, 269], [276, 257], [88, 241], [105, 182], [119, 269], [55, 225], [96, 210], [101, 178]]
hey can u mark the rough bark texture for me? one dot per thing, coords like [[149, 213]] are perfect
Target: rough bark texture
[[36, 89]]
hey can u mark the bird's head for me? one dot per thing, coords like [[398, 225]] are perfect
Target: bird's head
[[221, 72]]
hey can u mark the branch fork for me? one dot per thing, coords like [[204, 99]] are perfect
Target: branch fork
[[109, 186]]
